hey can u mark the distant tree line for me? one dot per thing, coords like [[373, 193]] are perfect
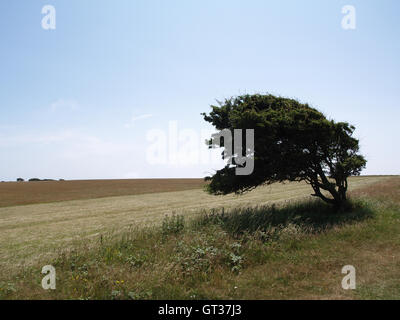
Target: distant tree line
[[37, 179]]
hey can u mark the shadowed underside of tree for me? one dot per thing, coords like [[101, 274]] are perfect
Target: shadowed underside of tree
[[292, 142]]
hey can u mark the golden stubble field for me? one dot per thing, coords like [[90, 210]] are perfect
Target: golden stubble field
[[29, 233]]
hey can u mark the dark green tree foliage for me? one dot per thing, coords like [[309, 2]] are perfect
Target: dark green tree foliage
[[293, 142]]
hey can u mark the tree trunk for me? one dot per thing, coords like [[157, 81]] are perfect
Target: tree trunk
[[338, 199]]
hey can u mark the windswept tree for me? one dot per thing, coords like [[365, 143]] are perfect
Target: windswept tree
[[293, 142]]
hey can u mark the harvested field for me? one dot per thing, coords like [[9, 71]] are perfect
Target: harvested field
[[19, 193]]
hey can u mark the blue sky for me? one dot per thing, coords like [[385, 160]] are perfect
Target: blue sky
[[78, 102]]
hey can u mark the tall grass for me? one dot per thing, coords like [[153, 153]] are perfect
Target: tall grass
[[181, 259], [311, 216]]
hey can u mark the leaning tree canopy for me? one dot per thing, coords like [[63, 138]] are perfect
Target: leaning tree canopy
[[293, 141]]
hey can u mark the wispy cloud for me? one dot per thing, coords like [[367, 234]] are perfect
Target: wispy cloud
[[137, 118], [74, 144], [23, 139], [64, 104]]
